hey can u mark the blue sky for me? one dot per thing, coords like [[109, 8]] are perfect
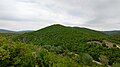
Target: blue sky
[[36, 14]]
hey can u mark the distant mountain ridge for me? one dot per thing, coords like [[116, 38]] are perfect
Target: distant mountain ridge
[[112, 32], [25, 31], [5, 31], [9, 31]]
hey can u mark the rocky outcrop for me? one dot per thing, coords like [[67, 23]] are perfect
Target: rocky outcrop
[[104, 43]]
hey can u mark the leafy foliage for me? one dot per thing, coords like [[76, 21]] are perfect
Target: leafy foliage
[[27, 55]]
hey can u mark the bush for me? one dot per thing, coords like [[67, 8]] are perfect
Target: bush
[[86, 59], [116, 65], [27, 55]]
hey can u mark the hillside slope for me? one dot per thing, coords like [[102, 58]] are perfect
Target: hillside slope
[[113, 35], [61, 40], [16, 54], [61, 32], [59, 35]]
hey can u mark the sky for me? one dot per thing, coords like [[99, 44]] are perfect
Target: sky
[[100, 15]]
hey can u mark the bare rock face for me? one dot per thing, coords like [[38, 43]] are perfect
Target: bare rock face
[[104, 43], [95, 42], [108, 44]]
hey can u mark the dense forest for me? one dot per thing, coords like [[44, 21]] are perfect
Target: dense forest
[[60, 46]]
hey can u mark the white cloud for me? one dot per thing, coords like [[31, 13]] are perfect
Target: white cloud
[[35, 14]]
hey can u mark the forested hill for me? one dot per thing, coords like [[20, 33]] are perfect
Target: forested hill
[[59, 46], [70, 37], [73, 39], [59, 34]]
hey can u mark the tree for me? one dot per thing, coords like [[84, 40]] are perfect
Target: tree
[[86, 59], [103, 59]]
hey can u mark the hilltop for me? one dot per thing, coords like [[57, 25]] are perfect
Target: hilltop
[[61, 35]]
